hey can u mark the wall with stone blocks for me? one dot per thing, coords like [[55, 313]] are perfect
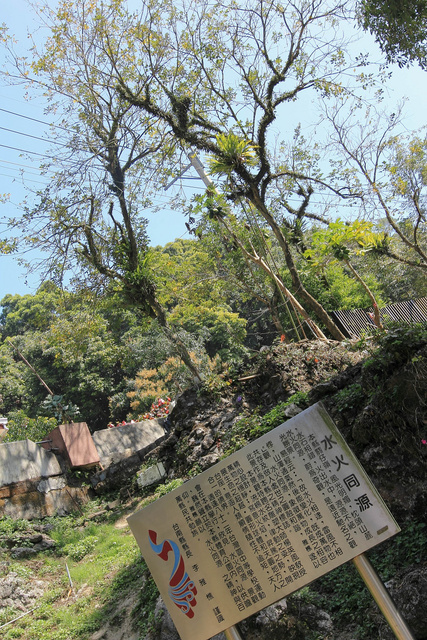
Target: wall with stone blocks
[[24, 460], [32, 483], [117, 443]]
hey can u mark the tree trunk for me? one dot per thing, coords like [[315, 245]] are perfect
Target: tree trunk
[[298, 286], [177, 343], [377, 319], [274, 310], [259, 260]]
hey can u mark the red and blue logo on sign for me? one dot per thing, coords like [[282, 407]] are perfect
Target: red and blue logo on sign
[[182, 590]]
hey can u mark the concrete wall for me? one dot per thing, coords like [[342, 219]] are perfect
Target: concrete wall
[[117, 443], [31, 484], [24, 460]]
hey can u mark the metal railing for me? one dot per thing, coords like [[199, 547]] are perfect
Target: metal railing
[[354, 322]]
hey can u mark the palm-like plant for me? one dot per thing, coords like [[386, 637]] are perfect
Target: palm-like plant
[[235, 152]]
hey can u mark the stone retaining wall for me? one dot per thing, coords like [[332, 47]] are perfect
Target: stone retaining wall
[[33, 485], [41, 498], [117, 443], [24, 460]]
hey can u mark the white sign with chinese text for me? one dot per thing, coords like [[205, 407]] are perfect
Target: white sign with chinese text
[[262, 523]]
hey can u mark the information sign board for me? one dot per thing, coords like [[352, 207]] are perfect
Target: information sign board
[[260, 524]]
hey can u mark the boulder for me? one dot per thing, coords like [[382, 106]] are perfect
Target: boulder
[[409, 593]]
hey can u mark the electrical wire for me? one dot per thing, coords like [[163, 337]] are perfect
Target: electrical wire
[[33, 153], [5, 175], [48, 124], [183, 185], [26, 166], [28, 135], [14, 113]]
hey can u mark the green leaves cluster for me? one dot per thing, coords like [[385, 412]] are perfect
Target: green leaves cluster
[[342, 239], [21, 427], [88, 349], [399, 28], [233, 153], [251, 427], [78, 550]]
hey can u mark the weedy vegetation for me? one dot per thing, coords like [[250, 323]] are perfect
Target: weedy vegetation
[[109, 579]]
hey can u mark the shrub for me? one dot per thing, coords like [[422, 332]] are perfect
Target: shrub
[[148, 387], [78, 550], [22, 427], [254, 426]]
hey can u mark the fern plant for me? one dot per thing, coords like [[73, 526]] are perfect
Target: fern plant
[[235, 152]]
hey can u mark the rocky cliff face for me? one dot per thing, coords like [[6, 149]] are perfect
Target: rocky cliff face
[[377, 396], [378, 403], [204, 417]]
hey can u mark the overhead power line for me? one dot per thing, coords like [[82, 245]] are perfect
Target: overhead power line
[[48, 124], [5, 175], [28, 135], [33, 153], [18, 164]]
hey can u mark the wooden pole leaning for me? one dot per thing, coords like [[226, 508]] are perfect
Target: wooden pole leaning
[[382, 598]]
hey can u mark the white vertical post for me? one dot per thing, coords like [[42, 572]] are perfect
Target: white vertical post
[[382, 598]]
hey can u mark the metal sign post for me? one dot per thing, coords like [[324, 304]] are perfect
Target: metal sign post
[[260, 524], [378, 592], [232, 633], [382, 598]]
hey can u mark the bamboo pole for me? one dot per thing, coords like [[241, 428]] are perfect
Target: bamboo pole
[[50, 392]]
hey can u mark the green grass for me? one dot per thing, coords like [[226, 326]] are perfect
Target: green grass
[[104, 563], [106, 568]]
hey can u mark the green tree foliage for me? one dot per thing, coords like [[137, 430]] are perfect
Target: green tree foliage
[[136, 92], [222, 331], [89, 351], [260, 55], [186, 272], [12, 381], [90, 218], [399, 27], [208, 287], [21, 427], [390, 173], [249, 288], [20, 314], [74, 352], [254, 246], [83, 368], [344, 291], [339, 243], [397, 282]]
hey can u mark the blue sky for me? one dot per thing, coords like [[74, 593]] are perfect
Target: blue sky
[[20, 119]]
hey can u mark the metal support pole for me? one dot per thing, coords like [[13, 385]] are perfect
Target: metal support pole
[[232, 633], [382, 598]]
